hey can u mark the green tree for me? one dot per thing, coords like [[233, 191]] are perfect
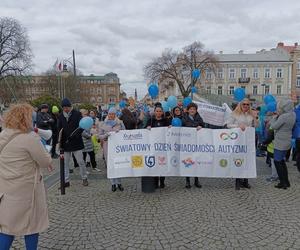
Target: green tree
[[51, 101]]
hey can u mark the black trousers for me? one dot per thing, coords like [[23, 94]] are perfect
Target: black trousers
[[282, 172], [92, 157], [298, 154], [159, 180], [54, 143]]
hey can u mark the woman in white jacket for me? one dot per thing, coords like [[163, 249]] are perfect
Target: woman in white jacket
[[242, 117]]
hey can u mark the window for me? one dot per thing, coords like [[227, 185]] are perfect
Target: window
[[220, 90], [243, 87], [220, 73], [231, 90], [208, 74], [99, 99], [254, 90], [255, 73], [267, 73], [243, 73], [208, 89], [231, 73], [298, 65], [267, 89], [279, 73], [278, 91], [298, 81]]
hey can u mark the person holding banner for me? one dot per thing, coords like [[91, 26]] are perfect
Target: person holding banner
[[110, 124], [154, 122], [192, 119], [177, 112], [242, 117], [283, 123]]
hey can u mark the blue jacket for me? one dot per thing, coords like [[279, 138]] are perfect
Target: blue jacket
[[296, 130]]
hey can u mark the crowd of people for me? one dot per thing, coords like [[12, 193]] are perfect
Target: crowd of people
[[23, 207]]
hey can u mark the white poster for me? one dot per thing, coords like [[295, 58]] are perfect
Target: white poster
[[182, 152], [213, 114]]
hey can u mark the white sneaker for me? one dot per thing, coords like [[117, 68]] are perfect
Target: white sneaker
[[97, 169]]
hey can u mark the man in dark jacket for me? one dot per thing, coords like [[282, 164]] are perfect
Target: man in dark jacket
[[71, 139], [43, 118], [194, 120]]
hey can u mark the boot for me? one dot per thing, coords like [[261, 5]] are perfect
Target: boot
[[187, 183], [246, 184], [120, 187], [197, 184], [237, 184], [114, 188], [162, 182]]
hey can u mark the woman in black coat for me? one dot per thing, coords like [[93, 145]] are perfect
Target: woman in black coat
[[130, 122], [194, 120], [158, 120]]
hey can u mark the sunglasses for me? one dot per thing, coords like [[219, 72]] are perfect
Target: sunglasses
[[246, 104]]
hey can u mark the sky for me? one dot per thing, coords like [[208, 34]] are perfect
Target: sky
[[122, 36]]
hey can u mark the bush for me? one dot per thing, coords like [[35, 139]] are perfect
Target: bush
[[51, 101], [86, 106]]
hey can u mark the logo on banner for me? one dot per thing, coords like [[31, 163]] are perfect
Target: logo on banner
[[174, 161], [202, 162], [121, 162], [135, 136], [238, 162], [162, 160], [150, 161], [223, 163], [137, 161], [188, 162], [229, 136]]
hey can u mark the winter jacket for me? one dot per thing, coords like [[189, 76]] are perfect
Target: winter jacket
[[296, 130], [71, 139], [23, 205], [283, 125], [44, 120], [154, 123], [187, 121], [87, 141]]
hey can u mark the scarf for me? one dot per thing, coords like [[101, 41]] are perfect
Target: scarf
[[67, 115]]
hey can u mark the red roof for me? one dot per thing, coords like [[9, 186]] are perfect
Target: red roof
[[289, 49]]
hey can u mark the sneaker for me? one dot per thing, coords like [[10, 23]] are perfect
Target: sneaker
[[97, 169], [87, 172], [85, 182], [114, 188]]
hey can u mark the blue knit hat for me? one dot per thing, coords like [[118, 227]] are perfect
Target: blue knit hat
[[66, 103]]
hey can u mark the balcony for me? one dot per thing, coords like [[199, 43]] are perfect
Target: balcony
[[244, 79]]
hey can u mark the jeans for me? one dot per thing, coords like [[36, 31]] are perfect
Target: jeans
[[79, 157], [31, 241], [279, 155]]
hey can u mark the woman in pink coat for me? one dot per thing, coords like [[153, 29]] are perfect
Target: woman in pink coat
[[23, 205]]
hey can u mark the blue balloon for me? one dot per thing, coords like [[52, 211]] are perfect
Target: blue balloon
[[165, 106], [239, 94], [153, 91], [122, 104], [176, 122], [268, 99], [194, 89], [263, 110], [272, 106], [86, 123], [172, 101], [196, 73], [186, 101]]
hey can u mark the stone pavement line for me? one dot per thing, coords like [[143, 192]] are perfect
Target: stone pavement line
[[214, 217]]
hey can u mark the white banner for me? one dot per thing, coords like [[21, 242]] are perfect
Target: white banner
[[182, 152], [213, 114]]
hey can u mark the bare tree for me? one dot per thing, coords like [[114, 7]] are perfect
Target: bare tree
[[179, 66], [15, 53]]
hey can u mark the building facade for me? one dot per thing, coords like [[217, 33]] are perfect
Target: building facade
[[264, 72], [97, 90]]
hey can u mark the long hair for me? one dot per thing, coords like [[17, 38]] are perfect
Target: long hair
[[19, 116], [238, 110]]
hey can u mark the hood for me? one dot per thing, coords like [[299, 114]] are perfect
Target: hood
[[6, 135], [285, 106]]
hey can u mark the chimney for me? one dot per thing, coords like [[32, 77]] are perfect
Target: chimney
[[280, 44], [241, 52], [221, 52], [296, 44]]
